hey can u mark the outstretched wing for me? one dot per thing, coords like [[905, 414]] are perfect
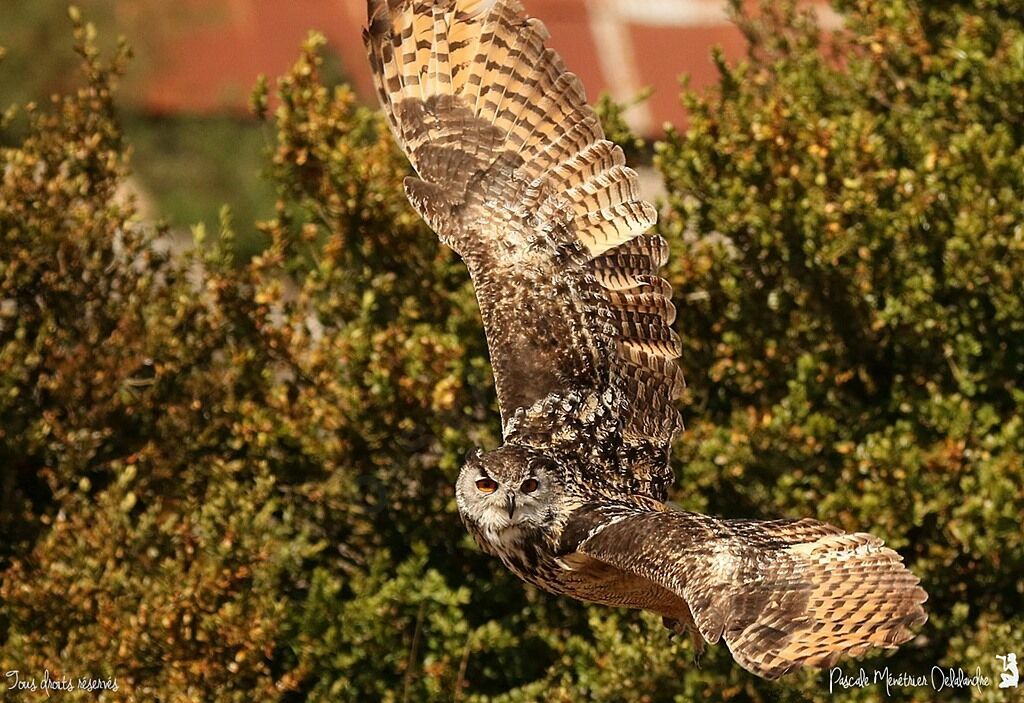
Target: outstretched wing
[[781, 593], [516, 176]]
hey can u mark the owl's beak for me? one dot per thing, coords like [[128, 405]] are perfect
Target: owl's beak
[[511, 504]]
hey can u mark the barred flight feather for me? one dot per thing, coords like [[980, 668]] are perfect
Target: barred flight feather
[[515, 174]]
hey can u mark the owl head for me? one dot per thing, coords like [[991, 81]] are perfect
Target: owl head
[[511, 486]]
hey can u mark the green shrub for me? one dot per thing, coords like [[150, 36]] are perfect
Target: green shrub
[[232, 482], [852, 298]]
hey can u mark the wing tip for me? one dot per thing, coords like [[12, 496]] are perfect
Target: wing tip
[[884, 610]]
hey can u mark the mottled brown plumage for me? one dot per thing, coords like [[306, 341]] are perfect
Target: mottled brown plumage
[[516, 176]]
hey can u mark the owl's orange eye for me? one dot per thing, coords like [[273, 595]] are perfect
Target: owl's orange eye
[[487, 485], [530, 485]]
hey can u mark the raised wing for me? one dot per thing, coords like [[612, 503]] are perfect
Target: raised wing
[[781, 593], [516, 176]]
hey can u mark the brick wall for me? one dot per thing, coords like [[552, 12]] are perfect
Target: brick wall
[[614, 45]]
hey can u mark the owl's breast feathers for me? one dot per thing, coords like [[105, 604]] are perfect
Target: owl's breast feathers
[[547, 556]]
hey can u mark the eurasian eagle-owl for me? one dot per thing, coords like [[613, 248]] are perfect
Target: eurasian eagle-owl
[[516, 176]]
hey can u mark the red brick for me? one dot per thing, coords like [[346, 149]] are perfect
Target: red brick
[[211, 66], [666, 53]]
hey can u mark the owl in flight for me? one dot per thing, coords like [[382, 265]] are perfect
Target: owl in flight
[[515, 175]]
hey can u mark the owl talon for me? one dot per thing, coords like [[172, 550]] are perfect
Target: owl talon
[[675, 628]]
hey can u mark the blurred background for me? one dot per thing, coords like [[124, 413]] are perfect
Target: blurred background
[[229, 479], [186, 102]]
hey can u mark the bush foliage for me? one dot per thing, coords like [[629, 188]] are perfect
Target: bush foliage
[[227, 482]]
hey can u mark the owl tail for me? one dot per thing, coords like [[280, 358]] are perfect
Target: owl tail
[[840, 594]]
